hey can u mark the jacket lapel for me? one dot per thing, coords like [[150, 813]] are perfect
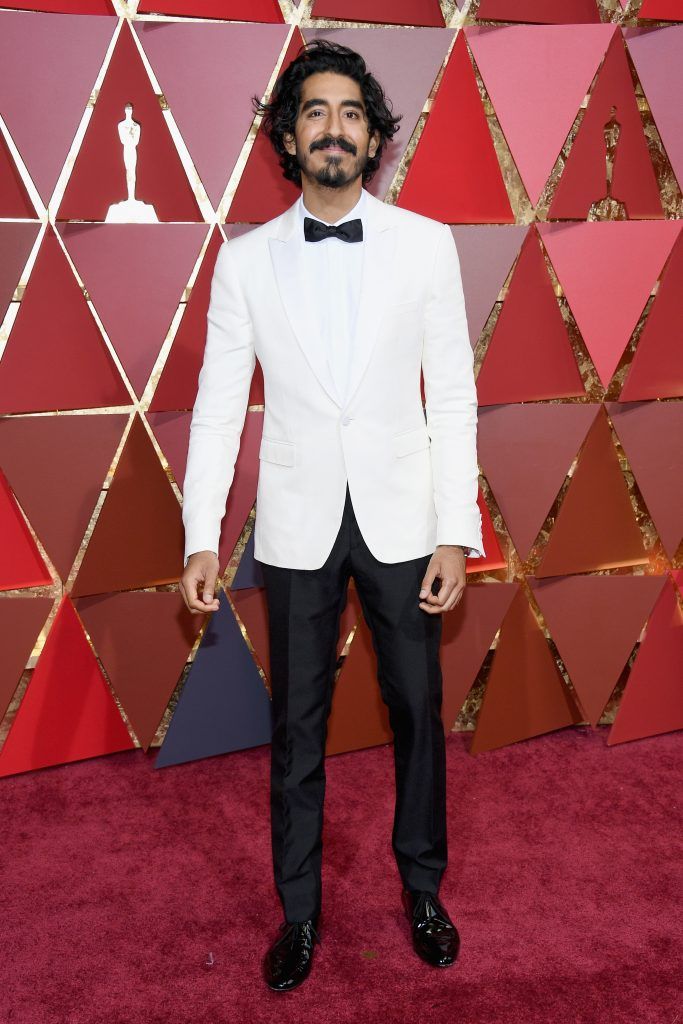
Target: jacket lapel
[[379, 242]]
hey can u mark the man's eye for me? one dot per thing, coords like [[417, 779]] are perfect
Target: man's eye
[[354, 113]]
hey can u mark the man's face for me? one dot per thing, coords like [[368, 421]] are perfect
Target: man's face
[[331, 142]]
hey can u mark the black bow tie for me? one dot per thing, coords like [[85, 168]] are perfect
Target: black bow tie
[[349, 231]]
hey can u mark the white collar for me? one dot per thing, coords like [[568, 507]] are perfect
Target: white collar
[[357, 210]]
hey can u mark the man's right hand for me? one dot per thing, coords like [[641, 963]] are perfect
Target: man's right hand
[[198, 582]]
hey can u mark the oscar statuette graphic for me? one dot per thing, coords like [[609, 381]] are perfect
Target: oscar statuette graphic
[[130, 209], [608, 207]]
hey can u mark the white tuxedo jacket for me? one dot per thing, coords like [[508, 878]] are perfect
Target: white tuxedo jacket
[[413, 479]]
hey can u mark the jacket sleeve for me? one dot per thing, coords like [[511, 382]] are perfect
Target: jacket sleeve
[[451, 403], [220, 408]]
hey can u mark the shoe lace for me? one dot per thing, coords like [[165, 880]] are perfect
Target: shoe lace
[[297, 928]]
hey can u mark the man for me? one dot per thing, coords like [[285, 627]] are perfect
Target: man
[[344, 299]]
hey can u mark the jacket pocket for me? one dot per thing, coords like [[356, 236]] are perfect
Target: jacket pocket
[[282, 452], [411, 441]]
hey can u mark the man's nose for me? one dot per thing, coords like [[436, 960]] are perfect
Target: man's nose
[[335, 126]]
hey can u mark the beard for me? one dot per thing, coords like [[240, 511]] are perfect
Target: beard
[[338, 170]]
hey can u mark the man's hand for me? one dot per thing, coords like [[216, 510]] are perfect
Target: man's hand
[[448, 563], [198, 582]]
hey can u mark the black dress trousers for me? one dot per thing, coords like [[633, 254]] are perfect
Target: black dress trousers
[[304, 610]]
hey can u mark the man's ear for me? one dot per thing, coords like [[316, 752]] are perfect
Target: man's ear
[[288, 140]]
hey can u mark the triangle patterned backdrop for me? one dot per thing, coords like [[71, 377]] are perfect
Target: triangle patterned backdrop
[[550, 139]]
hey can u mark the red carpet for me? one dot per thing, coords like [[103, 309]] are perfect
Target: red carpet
[[564, 879]]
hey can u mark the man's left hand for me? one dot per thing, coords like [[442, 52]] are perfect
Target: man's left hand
[[448, 563]]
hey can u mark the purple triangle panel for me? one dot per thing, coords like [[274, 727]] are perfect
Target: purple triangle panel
[[525, 450], [657, 54], [537, 77], [486, 253], [651, 434], [249, 573], [406, 71], [17, 239], [224, 704], [135, 275], [197, 65], [49, 66]]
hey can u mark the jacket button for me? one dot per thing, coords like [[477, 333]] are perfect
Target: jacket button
[[346, 420]]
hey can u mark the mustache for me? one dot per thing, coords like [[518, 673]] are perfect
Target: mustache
[[328, 142]]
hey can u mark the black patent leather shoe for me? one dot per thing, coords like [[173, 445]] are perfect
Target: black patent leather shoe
[[435, 937], [288, 961]]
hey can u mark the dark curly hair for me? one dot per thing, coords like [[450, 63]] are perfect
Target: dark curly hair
[[281, 112]]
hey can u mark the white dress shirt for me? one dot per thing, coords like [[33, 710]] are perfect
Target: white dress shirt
[[333, 277]]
